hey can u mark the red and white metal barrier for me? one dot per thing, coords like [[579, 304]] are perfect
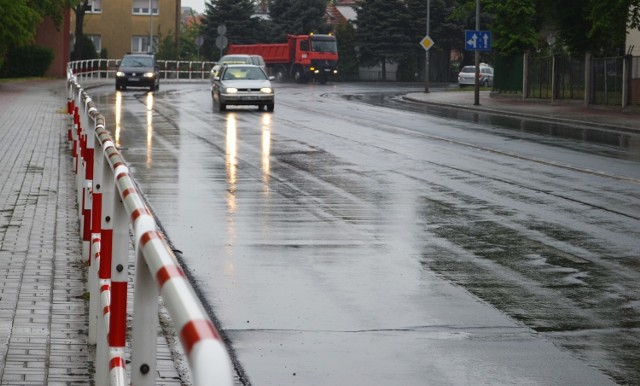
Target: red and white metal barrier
[[110, 206], [96, 69]]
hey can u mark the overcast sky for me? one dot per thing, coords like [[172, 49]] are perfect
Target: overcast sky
[[197, 5]]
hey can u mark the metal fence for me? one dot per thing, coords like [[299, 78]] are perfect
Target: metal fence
[[508, 73], [111, 211], [607, 81], [611, 81], [555, 77], [169, 69]]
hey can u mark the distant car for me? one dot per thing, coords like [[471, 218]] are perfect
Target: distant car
[[242, 84], [466, 76], [138, 70], [239, 59]]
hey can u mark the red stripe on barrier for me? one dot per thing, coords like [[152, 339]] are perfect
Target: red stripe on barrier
[[128, 191], [148, 236], [105, 287], [89, 171], [106, 251], [195, 331], [96, 213], [120, 175], [106, 310], [167, 273], [118, 320], [86, 229], [116, 362], [137, 213]]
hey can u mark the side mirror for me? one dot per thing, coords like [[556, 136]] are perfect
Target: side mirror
[[216, 78], [272, 77]]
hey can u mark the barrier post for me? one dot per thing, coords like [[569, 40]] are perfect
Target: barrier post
[[119, 277], [145, 313], [104, 268]]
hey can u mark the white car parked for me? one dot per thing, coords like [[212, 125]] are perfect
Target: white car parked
[[466, 76]]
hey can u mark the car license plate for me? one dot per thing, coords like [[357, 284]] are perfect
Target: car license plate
[[134, 79]]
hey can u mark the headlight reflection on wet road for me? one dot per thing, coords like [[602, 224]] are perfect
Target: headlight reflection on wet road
[[266, 151], [149, 129], [118, 114]]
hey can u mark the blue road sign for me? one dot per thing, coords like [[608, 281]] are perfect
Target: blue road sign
[[477, 40]]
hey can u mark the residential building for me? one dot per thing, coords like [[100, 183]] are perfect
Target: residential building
[[121, 26], [633, 48], [633, 42]]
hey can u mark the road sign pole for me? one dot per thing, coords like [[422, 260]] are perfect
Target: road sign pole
[[476, 99], [426, 62]]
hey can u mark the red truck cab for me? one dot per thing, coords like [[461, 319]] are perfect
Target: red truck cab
[[315, 55], [303, 57]]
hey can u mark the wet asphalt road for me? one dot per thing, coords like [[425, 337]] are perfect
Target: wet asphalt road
[[350, 239]]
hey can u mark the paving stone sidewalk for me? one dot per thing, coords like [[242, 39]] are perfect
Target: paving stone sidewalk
[[43, 301]]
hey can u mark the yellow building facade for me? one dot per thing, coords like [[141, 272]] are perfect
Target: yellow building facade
[[122, 26]]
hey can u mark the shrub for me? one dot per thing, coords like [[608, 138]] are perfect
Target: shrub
[[27, 61]]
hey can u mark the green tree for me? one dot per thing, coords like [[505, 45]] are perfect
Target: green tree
[[236, 15], [79, 8], [298, 17], [514, 27], [348, 58], [382, 32], [18, 24]]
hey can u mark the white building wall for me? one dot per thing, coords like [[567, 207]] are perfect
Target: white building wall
[[633, 40]]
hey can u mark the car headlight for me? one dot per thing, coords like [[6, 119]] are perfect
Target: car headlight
[[149, 74], [231, 90], [266, 90], [119, 74]]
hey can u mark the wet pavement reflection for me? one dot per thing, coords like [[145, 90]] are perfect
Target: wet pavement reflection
[[358, 240]]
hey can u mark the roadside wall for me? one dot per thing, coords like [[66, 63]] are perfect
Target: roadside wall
[[57, 39]]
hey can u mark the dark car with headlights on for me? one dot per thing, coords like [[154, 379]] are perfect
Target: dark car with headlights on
[[138, 70], [242, 84]]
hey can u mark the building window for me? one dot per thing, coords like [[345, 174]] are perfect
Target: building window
[[94, 6], [141, 7], [97, 42], [140, 44]]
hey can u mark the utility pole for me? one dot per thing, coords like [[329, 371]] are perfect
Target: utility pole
[[426, 62], [476, 99]]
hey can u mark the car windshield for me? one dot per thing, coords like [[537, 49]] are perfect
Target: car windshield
[[324, 45], [245, 73], [136, 61], [234, 59]]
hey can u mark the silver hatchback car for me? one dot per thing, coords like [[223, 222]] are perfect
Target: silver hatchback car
[[466, 76], [242, 84]]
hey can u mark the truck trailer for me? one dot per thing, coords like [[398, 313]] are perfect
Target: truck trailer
[[302, 57]]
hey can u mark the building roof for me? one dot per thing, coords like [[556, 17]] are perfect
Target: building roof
[[341, 11]]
